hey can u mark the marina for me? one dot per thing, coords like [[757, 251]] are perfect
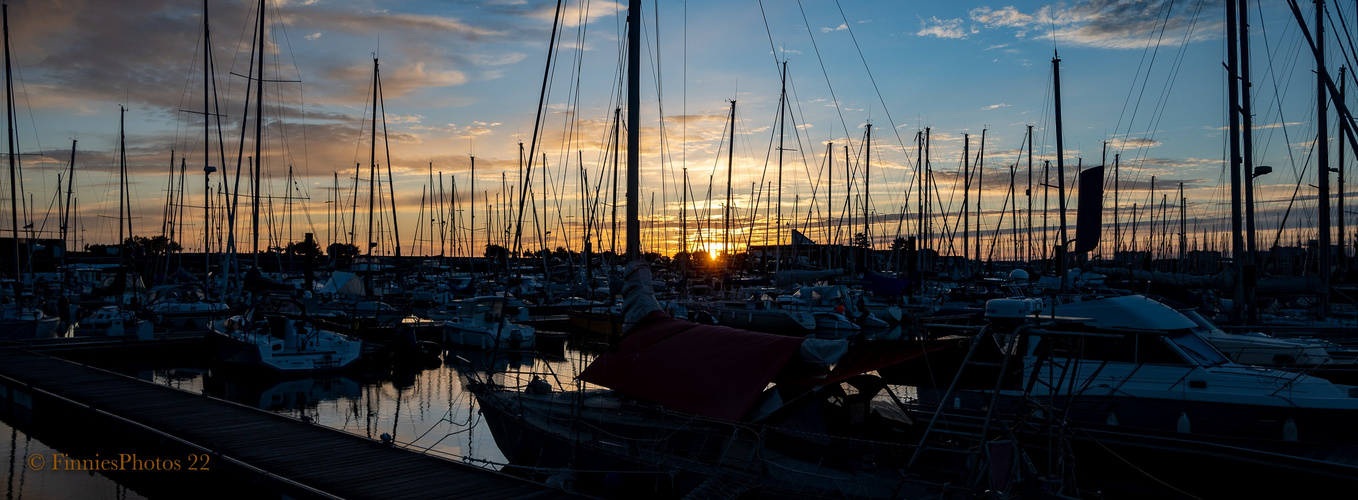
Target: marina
[[1060, 300]]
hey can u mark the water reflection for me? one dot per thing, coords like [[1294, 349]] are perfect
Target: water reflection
[[25, 482], [422, 408]]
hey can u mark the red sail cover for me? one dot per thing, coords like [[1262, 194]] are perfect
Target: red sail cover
[[708, 370]]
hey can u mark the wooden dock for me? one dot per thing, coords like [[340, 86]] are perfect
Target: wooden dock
[[288, 456]]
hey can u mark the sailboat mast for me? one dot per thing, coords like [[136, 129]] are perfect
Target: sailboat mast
[[207, 153], [867, 222], [980, 177], [1028, 253], [11, 135], [1237, 229], [613, 242], [633, 128], [259, 131], [966, 203], [1323, 162], [730, 165], [1060, 173], [122, 197], [1246, 135], [372, 187], [66, 218], [471, 244], [782, 126], [1343, 127]]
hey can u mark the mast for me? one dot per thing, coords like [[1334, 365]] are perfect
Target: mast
[[1343, 127], [1247, 140], [782, 126], [471, 244], [613, 242], [633, 128], [867, 222], [980, 176], [372, 188], [122, 196], [1117, 225], [730, 166], [1060, 174], [1323, 161], [966, 202], [928, 185], [923, 188], [259, 132], [207, 153], [391, 185], [1183, 230], [12, 135], [1028, 252], [683, 217]]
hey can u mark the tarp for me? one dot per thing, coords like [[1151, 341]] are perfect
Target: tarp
[[708, 370], [879, 284], [785, 278], [342, 283]]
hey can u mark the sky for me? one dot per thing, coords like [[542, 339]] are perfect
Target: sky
[[463, 79]]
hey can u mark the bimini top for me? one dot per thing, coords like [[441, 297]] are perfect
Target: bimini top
[[1128, 312]]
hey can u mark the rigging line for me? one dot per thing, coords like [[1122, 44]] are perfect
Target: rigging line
[[665, 181], [772, 48], [542, 96], [1163, 26], [1278, 100], [797, 136], [1170, 79], [301, 95], [880, 99], [838, 110], [1350, 47]]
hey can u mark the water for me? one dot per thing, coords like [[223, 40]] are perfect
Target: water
[[425, 410], [17, 447]]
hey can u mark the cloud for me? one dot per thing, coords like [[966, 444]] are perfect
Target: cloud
[[1004, 17], [942, 28], [1138, 142], [841, 27], [313, 36], [995, 106], [1113, 24], [578, 13]]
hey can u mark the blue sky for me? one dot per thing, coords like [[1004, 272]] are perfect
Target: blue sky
[[462, 78]]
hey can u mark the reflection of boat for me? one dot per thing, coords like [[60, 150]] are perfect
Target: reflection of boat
[[480, 323], [290, 393], [276, 335], [490, 361]]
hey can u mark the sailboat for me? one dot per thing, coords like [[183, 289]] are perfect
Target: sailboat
[[275, 333], [19, 317], [119, 318]]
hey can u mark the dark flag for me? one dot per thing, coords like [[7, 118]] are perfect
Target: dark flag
[[800, 239], [1089, 216]]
